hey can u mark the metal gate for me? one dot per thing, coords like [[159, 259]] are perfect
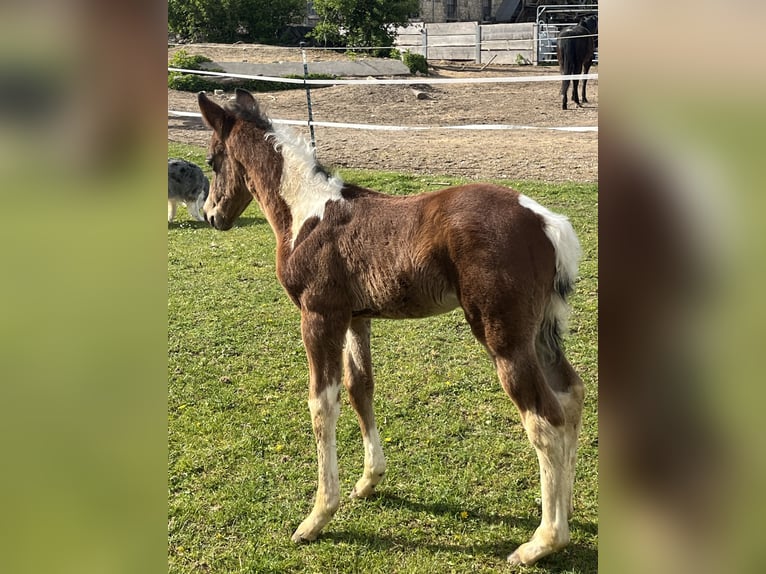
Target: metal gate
[[551, 20]]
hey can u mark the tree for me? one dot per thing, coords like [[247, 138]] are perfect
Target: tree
[[231, 20], [361, 22]]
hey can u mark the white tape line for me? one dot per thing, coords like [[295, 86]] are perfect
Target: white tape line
[[421, 81], [373, 127]]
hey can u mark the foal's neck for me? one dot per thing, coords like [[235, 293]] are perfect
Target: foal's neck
[[304, 187]]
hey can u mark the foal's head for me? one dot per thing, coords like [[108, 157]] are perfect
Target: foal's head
[[239, 130]]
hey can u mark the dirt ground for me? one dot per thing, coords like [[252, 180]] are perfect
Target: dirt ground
[[544, 155]]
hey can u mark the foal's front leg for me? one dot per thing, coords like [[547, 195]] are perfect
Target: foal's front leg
[[357, 363], [323, 339]]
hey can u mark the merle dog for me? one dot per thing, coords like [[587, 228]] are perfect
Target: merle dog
[[188, 185]]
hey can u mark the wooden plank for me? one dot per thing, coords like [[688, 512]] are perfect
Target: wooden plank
[[527, 44], [498, 35], [505, 57], [461, 40], [442, 53], [518, 28], [409, 41], [441, 29]]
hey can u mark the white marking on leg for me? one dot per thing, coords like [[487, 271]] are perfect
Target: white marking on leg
[[374, 461], [325, 411], [553, 533], [374, 466], [305, 189], [571, 404]]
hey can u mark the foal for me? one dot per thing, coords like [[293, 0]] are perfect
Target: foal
[[346, 255]]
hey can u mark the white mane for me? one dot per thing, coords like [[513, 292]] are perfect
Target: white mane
[[304, 188]]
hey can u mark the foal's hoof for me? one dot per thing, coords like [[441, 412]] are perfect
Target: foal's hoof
[[514, 560], [303, 537], [307, 531], [362, 493]]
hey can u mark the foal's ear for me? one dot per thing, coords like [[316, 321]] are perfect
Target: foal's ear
[[213, 114], [245, 99]]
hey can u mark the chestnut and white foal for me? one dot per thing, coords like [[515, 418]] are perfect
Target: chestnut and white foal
[[346, 255]]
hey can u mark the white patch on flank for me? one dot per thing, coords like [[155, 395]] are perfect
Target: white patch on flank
[[562, 236], [305, 190]]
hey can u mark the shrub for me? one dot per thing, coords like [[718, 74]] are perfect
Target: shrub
[[415, 62], [191, 83], [182, 59]]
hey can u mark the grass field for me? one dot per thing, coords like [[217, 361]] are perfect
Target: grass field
[[462, 485]]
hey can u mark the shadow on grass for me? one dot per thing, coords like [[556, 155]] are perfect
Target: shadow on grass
[[241, 222], [576, 557]]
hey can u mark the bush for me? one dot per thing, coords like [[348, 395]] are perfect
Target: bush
[[182, 59], [415, 62], [191, 83], [232, 20]]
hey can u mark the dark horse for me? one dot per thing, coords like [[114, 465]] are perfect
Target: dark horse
[[347, 255], [575, 53]]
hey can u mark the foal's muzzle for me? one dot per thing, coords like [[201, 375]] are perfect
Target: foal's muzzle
[[218, 222]]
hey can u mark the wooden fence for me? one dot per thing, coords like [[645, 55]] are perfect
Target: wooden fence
[[480, 43]]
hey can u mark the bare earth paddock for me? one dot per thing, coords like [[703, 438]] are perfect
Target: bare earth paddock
[[543, 155]]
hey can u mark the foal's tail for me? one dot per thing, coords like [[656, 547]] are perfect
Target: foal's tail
[[568, 252]]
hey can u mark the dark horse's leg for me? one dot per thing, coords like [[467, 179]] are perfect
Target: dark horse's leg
[[575, 96], [586, 69], [564, 90]]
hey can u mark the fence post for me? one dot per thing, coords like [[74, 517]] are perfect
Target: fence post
[[425, 41], [308, 97], [478, 43]]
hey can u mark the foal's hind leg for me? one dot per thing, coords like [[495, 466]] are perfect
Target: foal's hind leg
[[545, 421], [359, 382], [569, 389]]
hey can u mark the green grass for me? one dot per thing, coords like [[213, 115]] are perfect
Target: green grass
[[462, 483]]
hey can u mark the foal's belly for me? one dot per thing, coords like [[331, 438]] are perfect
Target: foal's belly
[[410, 305]]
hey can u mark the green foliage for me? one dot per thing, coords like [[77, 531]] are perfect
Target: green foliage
[[194, 83], [361, 22], [232, 20], [182, 59], [415, 62], [462, 480], [190, 82]]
